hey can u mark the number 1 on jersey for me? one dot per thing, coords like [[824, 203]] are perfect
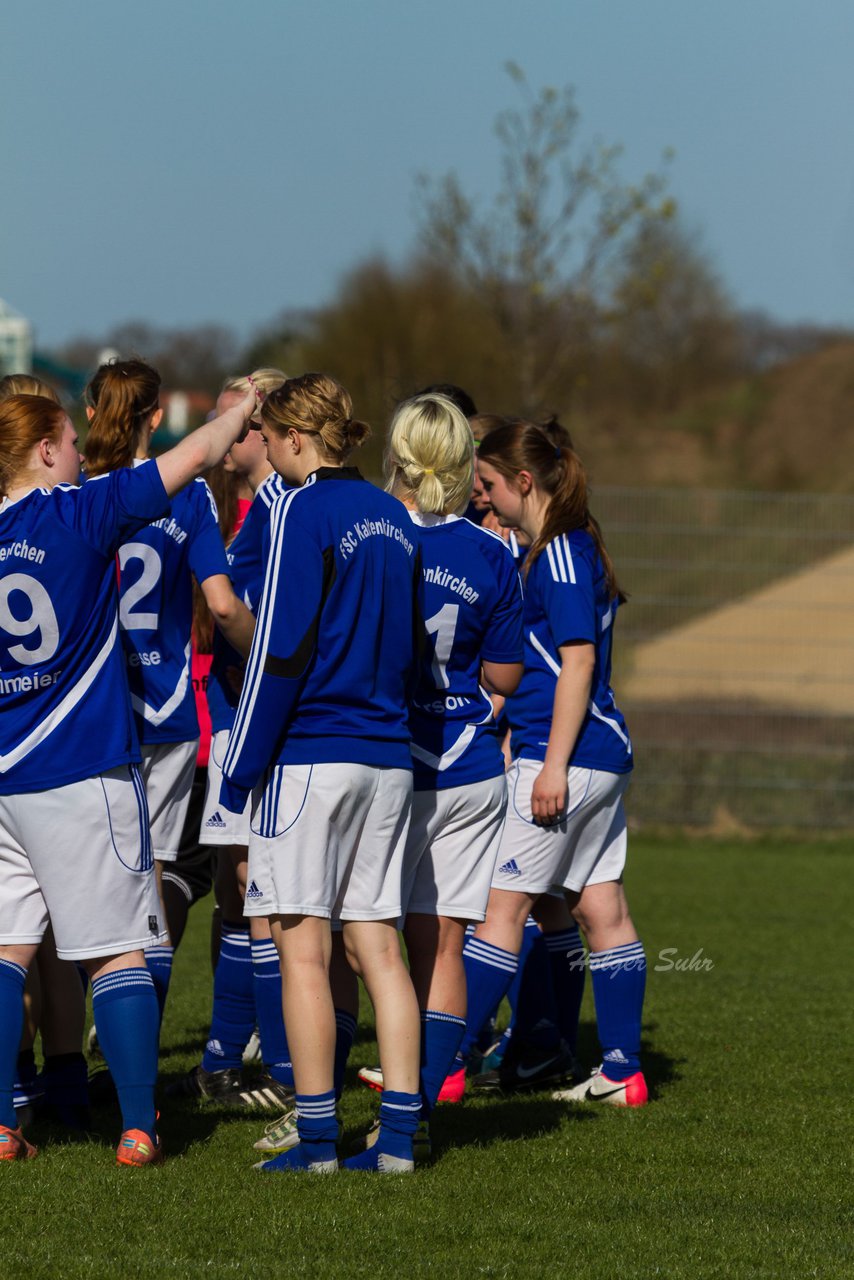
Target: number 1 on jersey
[[443, 626]]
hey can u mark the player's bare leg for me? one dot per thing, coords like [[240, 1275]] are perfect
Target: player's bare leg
[[434, 946], [373, 949], [304, 944]]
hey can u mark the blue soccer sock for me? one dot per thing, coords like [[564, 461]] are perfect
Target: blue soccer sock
[[489, 973], [441, 1037], [27, 1086], [317, 1125], [66, 1083], [534, 1019], [124, 1003], [619, 979], [345, 1034], [12, 979], [159, 964], [267, 985], [568, 965], [233, 1017], [399, 1116]]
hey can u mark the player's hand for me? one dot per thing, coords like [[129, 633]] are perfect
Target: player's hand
[[548, 797], [248, 406]]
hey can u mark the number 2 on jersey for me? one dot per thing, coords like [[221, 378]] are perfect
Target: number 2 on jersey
[[130, 618], [41, 620], [443, 626]]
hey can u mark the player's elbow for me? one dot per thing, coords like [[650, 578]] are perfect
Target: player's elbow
[[220, 599], [502, 677]]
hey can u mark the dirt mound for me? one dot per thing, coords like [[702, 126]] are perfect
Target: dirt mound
[[786, 646]]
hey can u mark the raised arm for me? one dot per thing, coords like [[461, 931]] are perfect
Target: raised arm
[[204, 447]]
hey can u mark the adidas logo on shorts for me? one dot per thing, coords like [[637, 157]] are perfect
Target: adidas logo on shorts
[[216, 820], [510, 868], [253, 891]]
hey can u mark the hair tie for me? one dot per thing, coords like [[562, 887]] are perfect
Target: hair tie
[[558, 453], [428, 471]]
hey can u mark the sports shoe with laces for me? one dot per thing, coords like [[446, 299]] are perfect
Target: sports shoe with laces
[[137, 1148], [14, 1146], [422, 1147], [282, 1134], [598, 1088], [528, 1067]]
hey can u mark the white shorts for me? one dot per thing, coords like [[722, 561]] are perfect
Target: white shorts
[[588, 846], [81, 856], [220, 827], [328, 840], [453, 842], [167, 771]]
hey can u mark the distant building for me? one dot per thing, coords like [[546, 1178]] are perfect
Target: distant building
[[16, 342]]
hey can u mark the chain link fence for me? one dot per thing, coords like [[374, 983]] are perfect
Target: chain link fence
[[734, 657]]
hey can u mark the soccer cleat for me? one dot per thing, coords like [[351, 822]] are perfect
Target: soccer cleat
[[281, 1134], [453, 1086], [265, 1094], [14, 1146], [452, 1090], [528, 1068], [372, 1077], [422, 1146], [138, 1148], [213, 1086], [598, 1088], [252, 1052], [295, 1160]]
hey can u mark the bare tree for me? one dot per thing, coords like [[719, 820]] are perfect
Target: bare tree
[[539, 255]]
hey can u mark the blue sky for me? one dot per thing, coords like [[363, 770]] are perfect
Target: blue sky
[[208, 160]]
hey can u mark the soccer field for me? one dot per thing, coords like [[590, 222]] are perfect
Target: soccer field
[[740, 1165]]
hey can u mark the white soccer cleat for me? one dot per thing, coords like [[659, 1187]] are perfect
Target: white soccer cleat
[[252, 1052], [372, 1077], [598, 1088]]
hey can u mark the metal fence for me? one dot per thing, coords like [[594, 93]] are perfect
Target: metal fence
[[734, 657]]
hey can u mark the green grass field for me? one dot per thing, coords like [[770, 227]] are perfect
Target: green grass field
[[740, 1166]]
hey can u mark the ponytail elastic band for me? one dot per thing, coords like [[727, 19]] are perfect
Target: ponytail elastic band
[[558, 453], [428, 471]]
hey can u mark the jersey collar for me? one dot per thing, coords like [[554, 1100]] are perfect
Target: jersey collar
[[430, 520], [336, 473]]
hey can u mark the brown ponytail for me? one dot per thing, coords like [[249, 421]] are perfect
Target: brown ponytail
[[557, 471], [124, 395]]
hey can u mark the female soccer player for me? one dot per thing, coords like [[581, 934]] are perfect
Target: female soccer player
[[78, 851], [156, 608], [322, 723], [473, 609], [244, 989], [565, 826]]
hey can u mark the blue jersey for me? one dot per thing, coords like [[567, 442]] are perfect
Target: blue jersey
[[332, 658], [472, 606], [156, 612], [247, 556], [63, 689], [566, 599]]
